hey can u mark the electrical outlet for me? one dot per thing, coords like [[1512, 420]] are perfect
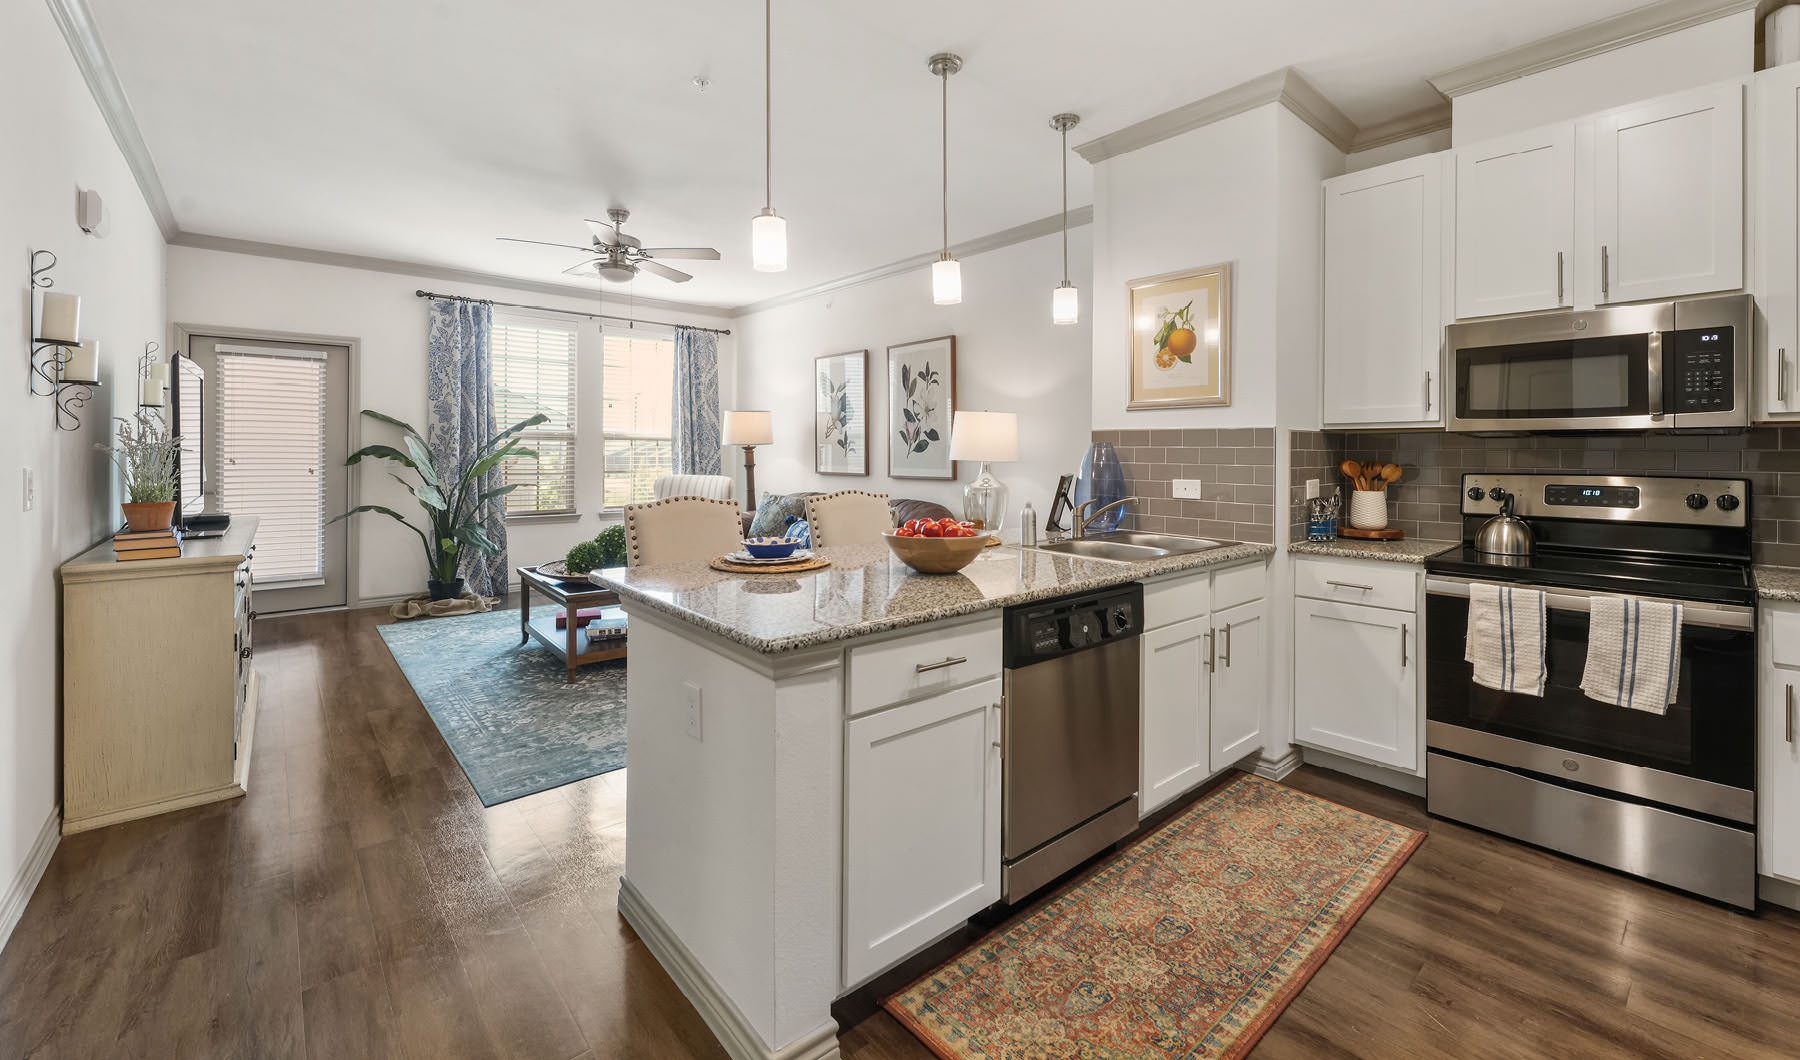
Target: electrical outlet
[[30, 489], [1312, 489], [1187, 488], [693, 708]]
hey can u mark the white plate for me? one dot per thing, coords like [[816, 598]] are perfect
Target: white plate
[[743, 557]]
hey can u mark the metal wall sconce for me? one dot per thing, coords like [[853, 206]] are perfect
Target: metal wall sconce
[[69, 369], [153, 378]]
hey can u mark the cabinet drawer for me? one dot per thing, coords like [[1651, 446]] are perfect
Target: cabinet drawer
[[1370, 582], [1177, 599], [1239, 585], [1783, 637], [893, 671]]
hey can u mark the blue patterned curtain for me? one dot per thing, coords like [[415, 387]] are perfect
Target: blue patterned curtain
[[460, 386], [696, 402]]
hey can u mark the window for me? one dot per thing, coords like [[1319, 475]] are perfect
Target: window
[[534, 371], [271, 454], [637, 416]]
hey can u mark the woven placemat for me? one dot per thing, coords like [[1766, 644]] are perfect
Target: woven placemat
[[814, 563]]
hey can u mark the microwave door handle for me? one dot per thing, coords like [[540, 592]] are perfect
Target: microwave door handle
[[1656, 376]]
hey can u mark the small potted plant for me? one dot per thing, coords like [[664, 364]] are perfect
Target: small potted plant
[[605, 550], [146, 454]]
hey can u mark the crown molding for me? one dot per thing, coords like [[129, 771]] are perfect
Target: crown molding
[[1045, 226], [83, 36], [1310, 105], [1595, 38], [415, 269], [1435, 118]]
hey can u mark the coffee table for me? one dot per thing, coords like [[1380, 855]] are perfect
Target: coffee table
[[573, 645]]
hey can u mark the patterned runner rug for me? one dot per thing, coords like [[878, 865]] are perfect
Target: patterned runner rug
[[1187, 944]]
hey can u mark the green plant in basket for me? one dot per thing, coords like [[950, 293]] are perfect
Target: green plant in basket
[[607, 549]]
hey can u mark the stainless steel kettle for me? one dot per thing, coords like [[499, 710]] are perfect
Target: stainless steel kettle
[[1505, 534]]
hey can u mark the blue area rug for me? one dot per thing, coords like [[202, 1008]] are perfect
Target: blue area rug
[[513, 722]]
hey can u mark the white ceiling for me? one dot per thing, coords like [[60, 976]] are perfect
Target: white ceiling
[[419, 131]]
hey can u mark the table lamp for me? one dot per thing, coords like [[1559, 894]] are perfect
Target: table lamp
[[749, 429], [986, 437]]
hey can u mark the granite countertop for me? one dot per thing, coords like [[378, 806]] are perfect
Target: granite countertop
[[1415, 551], [866, 590], [1778, 583]]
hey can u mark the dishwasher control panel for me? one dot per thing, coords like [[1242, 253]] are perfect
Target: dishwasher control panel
[[1047, 629]]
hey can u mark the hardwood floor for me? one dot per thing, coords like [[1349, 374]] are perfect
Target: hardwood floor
[[362, 903]]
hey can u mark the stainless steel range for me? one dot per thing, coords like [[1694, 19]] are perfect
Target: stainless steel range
[[1670, 797]]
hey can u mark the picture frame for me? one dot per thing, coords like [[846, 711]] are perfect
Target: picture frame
[[921, 405], [1179, 339], [841, 413]]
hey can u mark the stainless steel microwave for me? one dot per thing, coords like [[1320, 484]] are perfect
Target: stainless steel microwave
[[1657, 366]]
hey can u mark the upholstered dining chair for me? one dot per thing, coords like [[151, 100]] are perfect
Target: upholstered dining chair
[[712, 487], [848, 517], [680, 530]]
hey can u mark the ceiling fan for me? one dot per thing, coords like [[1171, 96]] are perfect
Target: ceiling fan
[[618, 257]]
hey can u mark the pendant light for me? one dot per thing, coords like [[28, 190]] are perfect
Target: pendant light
[[768, 231], [946, 271], [1065, 300]]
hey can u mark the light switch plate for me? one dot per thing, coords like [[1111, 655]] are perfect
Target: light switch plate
[[1187, 488], [1312, 489], [30, 489], [693, 708]]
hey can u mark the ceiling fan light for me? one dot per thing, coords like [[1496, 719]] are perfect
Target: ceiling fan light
[[1065, 305], [616, 273], [768, 241], [946, 281]]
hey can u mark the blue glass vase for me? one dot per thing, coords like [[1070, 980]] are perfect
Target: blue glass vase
[[1101, 480]]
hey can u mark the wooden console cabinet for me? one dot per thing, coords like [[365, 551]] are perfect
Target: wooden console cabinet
[[159, 694]]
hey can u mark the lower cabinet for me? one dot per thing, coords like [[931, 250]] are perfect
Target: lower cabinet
[[1356, 681], [1240, 682], [922, 823], [1778, 743], [1176, 730]]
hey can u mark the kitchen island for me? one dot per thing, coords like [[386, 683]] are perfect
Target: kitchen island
[[813, 787]]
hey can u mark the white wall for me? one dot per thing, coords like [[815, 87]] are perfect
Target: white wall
[[1699, 55], [219, 291], [1009, 358], [58, 143]]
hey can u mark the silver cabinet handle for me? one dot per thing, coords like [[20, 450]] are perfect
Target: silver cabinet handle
[[925, 668], [1559, 277], [1403, 633], [1790, 714], [1211, 658], [1781, 385], [1605, 271], [1352, 585], [1427, 391], [1226, 656], [999, 728]]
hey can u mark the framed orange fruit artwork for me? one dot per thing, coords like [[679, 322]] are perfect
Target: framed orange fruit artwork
[[1181, 339]]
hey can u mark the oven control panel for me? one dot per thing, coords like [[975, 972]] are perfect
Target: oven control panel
[[1711, 502]]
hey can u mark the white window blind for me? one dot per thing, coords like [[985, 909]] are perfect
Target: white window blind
[[534, 371], [270, 452], [638, 395]]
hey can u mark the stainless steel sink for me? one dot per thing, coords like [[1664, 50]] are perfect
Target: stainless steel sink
[[1127, 546]]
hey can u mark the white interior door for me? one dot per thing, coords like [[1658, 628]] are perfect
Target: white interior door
[[1515, 223], [276, 435]]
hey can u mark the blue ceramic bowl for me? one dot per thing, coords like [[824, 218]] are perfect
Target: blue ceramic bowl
[[770, 547]]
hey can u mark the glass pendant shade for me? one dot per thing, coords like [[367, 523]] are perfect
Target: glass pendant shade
[[1065, 304], [946, 281], [768, 242]]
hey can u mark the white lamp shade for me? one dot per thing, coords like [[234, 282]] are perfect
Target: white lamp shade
[[946, 281], [989, 436], [1065, 305], [748, 428], [768, 242]]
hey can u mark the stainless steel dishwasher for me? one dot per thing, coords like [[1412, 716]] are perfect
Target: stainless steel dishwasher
[[1069, 738]]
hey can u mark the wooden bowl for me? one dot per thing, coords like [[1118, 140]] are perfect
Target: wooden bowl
[[936, 555]]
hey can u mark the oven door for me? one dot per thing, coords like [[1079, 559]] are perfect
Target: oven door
[[1700, 756]]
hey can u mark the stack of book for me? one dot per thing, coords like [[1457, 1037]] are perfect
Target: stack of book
[[149, 544]]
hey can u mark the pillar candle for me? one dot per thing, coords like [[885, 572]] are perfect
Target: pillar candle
[[150, 394], [84, 363], [59, 317], [159, 374]]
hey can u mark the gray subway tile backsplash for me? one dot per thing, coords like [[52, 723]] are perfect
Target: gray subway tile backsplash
[[1235, 467]]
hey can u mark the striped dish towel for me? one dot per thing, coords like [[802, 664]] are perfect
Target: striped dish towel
[[1506, 638], [1634, 653]]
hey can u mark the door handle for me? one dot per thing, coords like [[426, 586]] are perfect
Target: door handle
[[925, 668], [1403, 632], [1225, 657], [1559, 277], [1605, 271], [1427, 391], [1211, 659]]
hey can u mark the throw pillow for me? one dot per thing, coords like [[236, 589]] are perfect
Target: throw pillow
[[775, 513]]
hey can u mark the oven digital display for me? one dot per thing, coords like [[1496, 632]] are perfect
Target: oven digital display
[[1566, 495]]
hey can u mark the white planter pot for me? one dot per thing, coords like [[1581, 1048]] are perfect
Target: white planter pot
[[1368, 509]]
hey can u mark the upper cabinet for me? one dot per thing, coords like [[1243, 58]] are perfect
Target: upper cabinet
[[1777, 211], [1515, 223], [1669, 196], [1384, 308]]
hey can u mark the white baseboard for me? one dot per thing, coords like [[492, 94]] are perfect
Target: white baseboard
[[1374, 774], [1778, 892], [18, 893], [1277, 768], [729, 1026]]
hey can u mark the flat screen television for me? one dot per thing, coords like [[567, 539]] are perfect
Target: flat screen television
[[186, 396]]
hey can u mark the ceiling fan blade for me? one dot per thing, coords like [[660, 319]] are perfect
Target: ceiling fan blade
[[541, 243], [586, 267], [695, 253], [672, 275], [605, 231]]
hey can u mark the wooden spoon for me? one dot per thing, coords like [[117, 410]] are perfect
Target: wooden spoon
[[1390, 473], [1352, 470]]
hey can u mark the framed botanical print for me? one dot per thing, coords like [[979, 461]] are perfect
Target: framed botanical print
[[921, 399], [1181, 339], [841, 423]]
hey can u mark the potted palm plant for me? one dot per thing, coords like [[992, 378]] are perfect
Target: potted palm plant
[[454, 503], [146, 455]]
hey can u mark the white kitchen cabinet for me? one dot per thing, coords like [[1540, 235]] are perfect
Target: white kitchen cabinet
[[1778, 743], [1383, 285], [1178, 661], [1240, 682], [1669, 196], [922, 823], [1515, 223], [1356, 681], [1776, 390]]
